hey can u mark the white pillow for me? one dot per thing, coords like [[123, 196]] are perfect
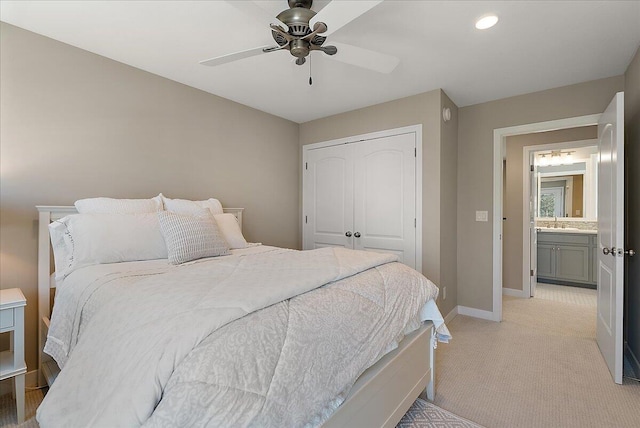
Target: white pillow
[[191, 237], [80, 240], [183, 206], [228, 225], [119, 206]]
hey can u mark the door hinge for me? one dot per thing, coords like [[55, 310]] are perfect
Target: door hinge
[[305, 219], [531, 168], [306, 165], [415, 222], [415, 152], [531, 272]]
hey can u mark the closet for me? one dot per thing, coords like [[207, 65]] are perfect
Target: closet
[[362, 195]]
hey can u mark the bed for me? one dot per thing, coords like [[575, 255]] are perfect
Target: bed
[[208, 347]]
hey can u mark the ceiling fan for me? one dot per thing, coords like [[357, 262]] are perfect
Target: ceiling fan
[[300, 30]]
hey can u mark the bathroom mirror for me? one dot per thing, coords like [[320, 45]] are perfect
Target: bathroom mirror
[[569, 190]]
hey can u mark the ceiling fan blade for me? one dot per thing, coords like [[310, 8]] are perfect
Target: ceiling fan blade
[[339, 13], [251, 9], [219, 60], [365, 58]]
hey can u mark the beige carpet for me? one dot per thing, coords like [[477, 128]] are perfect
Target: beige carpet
[[8, 416], [567, 294], [540, 367]]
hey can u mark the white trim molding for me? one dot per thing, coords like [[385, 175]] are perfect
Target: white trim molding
[[476, 313], [513, 292], [499, 148], [417, 130], [451, 315]]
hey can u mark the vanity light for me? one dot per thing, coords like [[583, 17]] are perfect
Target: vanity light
[[568, 159], [487, 21], [555, 158]]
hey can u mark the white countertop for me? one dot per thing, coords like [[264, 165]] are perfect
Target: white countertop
[[566, 230]]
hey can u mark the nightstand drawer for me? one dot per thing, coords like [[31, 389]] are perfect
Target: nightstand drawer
[[6, 319]]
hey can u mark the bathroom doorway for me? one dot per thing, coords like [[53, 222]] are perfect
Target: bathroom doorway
[[560, 191]]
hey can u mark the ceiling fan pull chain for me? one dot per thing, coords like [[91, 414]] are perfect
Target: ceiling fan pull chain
[[310, 79]]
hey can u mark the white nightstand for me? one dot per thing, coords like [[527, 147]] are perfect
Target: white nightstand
[[12, 303]]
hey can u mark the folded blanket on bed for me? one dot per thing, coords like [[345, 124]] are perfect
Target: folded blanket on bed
[[163, 350]]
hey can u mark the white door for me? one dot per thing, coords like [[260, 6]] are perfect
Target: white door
[[328, 197], [385, 196], [533, 234], [363, 196], [611, 234]]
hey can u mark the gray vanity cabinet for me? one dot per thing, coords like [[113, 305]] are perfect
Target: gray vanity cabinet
[[566, 258], [546, 260]]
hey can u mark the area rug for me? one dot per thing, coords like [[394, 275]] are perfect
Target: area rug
[[423, 414]]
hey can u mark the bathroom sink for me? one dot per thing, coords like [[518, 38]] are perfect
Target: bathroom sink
[[558, 228], [565, 230]]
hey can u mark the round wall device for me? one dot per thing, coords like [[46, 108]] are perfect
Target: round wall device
[[446, 114]]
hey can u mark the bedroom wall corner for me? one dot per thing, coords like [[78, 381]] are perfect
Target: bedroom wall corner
[[632, 202], [77, 125], [448, 206]]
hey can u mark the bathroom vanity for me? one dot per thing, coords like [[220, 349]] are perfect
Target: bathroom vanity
[[567, 256]]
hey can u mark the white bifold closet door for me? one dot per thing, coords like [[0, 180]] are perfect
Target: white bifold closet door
[[363, 196]]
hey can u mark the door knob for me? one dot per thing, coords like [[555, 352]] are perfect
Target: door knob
[[630, 253], [606, 251], [357, 234], [348, 234]]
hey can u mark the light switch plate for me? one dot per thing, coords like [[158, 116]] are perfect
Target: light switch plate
[[482, 215]]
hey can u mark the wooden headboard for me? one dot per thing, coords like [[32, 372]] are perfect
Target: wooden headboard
[[47, 214]]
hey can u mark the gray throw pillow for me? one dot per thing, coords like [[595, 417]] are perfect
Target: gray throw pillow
[[190, 237]]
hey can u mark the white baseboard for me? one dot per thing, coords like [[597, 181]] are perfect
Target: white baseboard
[[451, 315], [475, 313], [513, 292], [633, 360], [30, 381]]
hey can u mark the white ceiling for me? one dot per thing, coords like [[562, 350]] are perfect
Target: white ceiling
[[534, 46]]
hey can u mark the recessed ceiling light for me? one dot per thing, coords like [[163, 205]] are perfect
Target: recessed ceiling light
[[486, 22]]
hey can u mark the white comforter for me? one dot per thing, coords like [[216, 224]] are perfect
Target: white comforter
[[151, 347]]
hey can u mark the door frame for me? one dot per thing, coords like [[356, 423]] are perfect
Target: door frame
[[526, 194], [499, 149], [415, 129]]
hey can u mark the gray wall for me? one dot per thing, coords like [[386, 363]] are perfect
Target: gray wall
[[422, 109], [78, 125], [512, 255], [632, 169], [475, 169]]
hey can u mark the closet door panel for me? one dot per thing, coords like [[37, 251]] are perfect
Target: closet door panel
[[384, 196], [329, 197]]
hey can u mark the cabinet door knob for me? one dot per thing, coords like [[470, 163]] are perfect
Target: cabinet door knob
[[348, 234], [357, 234]]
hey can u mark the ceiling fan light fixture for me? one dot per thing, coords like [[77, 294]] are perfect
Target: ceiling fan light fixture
[[486, 22]]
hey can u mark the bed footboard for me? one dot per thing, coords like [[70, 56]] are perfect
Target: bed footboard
[[386, 390]]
